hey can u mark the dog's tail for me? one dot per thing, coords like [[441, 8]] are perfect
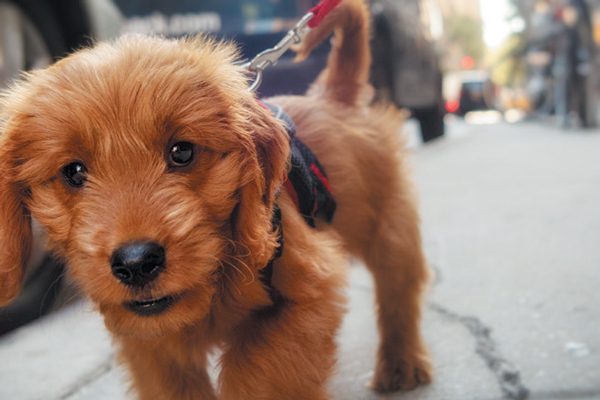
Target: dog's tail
[[346, 77]]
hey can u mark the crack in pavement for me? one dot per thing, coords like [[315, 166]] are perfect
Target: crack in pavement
[[506, 373], [104, 368]]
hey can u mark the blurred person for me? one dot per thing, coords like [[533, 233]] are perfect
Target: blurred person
[[540, 56], [571, 63]]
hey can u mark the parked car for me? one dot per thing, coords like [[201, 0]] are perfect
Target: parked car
[[33, 33], [468, 91]]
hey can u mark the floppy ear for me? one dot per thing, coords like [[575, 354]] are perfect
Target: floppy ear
[[264, 175], [15, 229]]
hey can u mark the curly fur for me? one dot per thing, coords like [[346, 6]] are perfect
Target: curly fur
[[117, 107]]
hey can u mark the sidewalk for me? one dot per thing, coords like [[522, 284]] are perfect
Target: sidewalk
[[511, 224]]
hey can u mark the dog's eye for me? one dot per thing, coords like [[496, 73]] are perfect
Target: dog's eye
[[181, 154], [75, 174]]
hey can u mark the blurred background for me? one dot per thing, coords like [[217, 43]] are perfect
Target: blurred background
[[463, 68], [431, 56], [518, 57]]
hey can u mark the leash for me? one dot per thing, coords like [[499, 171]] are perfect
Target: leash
[[269, 57]]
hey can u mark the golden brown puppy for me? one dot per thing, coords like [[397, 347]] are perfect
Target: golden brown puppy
[[156, 173]]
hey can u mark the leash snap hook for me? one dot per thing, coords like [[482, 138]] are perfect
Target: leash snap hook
[[270, 56]]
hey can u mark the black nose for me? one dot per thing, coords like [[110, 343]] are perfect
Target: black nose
[[138, 263]]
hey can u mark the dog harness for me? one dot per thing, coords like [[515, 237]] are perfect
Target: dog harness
[[307, 185]]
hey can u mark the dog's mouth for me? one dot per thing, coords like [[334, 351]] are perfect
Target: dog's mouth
[[151, 307]]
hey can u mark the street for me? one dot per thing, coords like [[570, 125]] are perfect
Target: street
[[511, 225]]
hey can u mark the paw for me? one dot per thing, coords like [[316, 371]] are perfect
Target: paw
[[401, 373]]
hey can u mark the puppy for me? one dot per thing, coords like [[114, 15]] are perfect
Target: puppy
[[157, 175]]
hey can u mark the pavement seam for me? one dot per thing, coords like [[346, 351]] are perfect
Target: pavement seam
[[104, 368], [507, 374]]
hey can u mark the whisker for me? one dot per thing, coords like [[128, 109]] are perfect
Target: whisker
[[70, 299], [222, 267], [246, 267], [49, 290]]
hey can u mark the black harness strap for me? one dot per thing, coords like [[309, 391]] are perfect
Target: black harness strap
[[266, 274], [308, 186], [307, 181]]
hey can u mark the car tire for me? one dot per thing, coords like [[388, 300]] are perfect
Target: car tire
[[431, 122], [30, 37]]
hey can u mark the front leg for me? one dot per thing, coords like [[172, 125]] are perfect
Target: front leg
[[163, 372], [286, 356], [288, 351]]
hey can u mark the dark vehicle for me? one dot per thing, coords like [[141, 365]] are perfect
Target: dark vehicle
[[33, 33], [477, 93]]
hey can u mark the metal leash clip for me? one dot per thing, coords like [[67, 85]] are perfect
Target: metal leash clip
[[270, 56]]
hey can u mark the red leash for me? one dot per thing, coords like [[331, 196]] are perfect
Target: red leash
[[321, 10], [269, 57]]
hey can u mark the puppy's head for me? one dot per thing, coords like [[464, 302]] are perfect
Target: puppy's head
[[152, 168]]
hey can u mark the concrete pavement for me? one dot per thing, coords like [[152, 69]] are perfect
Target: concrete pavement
[[511, 224]]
